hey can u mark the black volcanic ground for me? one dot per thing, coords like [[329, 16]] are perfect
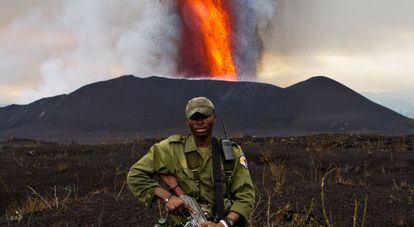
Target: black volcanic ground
[[129, 106]]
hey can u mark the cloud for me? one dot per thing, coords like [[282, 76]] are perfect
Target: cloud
[[368, 45], [397, 100], [352, 26], [79, 42], [26, 43]]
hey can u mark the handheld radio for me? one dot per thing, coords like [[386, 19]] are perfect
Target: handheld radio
[[226, 146]]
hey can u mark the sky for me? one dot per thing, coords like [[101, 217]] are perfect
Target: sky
[[50, 47]]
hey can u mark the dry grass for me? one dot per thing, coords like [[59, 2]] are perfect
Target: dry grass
[[51, 202], [328, 221], [36, 202]]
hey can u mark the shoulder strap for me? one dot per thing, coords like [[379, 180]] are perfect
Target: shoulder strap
[[193, 163], [228, 170], [218, 188], [228, 164]]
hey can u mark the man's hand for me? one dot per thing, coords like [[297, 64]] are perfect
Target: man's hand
[[212, 224], [176, 204]]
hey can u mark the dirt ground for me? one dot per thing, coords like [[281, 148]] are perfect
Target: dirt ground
[[313, 180]]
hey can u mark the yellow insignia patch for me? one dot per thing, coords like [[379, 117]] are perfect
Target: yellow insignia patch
[[243, 161]]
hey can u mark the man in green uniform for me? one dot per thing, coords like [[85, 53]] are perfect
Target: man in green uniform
[[188, 159]]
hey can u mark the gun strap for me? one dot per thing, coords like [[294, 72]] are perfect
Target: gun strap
[[193, 163], [218, 187], [228, 168]]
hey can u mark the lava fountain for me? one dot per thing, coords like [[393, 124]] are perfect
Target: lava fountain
[[206, 48]]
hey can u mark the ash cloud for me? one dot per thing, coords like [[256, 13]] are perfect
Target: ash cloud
[[51, 52], [252, 18]]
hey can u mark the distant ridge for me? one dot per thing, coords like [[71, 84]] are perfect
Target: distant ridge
[[129, 106]]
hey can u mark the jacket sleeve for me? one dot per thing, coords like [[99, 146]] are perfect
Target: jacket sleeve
[[242, 188], [140, 176]]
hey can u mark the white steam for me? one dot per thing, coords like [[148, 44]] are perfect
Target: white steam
[[87, 41]]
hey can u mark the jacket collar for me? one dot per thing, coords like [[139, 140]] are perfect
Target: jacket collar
[[190, 144]]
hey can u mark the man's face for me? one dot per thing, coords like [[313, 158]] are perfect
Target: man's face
[[201, 125]]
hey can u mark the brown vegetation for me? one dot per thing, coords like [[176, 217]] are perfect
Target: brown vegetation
[[328, 180]]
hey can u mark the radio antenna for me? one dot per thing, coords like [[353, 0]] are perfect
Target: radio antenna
[[224, 129]]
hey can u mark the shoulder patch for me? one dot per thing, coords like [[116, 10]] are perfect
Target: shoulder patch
[[175, 139], [243, 161]]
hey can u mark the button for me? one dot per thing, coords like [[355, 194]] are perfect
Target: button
[[148, 200]]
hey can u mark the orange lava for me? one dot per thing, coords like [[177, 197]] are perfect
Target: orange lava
[[210, 19]]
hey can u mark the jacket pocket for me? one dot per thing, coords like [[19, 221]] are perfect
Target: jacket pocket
[[186, 180]]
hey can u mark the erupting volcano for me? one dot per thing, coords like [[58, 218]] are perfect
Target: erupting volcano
[[206, 48]]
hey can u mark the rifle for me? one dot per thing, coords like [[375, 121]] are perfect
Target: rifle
[[195, 218]]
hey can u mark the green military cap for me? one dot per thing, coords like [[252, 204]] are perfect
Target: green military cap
[[199, 105]]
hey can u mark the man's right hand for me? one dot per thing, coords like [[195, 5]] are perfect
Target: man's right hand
[[175, 204]]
